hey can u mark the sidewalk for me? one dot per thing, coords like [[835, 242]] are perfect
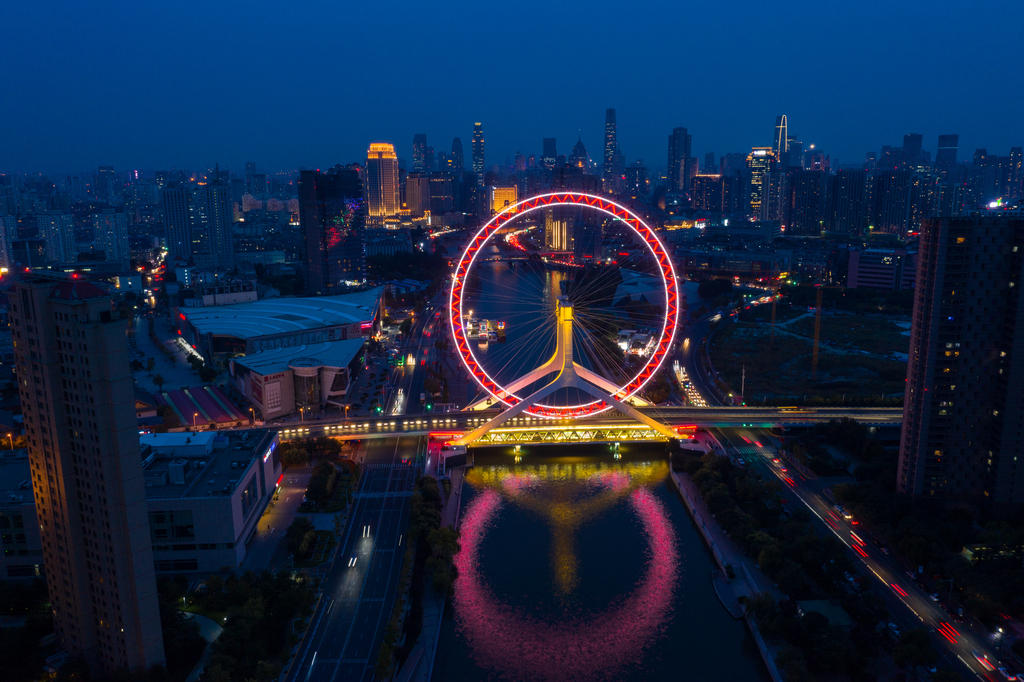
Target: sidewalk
[[265, 549]]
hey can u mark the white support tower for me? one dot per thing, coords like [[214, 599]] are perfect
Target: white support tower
[[570, 375]]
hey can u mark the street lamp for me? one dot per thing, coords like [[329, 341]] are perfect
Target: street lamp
[[346, 411], [194, 415], [252, 416], [12, 440]]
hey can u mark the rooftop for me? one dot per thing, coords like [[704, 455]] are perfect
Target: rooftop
[[282, 315], [208, 464], [329, 354], [77, 291]]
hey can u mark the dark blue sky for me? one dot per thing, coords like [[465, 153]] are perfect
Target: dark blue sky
[[185, 84]]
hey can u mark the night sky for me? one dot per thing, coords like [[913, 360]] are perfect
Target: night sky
[[149, 85]]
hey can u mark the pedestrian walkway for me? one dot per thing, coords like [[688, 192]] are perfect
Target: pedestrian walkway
[[209, 630], [265, 548]]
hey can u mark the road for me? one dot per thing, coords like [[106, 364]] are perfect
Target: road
[[359, 589], [909, 605]]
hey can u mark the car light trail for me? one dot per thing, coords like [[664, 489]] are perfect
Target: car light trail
[[899, 590], [857, 538], [860, 551], [946, 633]]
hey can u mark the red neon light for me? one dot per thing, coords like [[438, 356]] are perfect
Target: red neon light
[[477, 242], [182, 316], [279, 479]]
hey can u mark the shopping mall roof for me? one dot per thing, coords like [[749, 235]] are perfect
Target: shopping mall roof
[[282, 315], [329, 354]]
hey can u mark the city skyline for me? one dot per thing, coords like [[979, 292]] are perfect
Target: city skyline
[[75, 114]]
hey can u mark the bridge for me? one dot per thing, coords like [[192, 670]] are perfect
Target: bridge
[[455, 424]]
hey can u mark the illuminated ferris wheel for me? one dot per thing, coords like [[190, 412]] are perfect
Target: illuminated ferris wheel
[[523, 306]]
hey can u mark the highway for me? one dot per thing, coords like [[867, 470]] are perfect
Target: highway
[[910, 606], [359, 588]]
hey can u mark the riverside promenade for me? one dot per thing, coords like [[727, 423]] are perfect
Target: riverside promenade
[[749, 580]]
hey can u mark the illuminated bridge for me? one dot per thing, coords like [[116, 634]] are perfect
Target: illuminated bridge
[[595, 429]]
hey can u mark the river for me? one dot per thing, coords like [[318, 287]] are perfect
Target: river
[[577, 566]]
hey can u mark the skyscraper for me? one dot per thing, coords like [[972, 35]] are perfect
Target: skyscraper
[[419, 153], [417, 194], [679, 160], [110, 230], [58, 229], [105, 183], [579, 156], [478, 153], [250, 170], [892, 203], [332, 216], [945, 156], [964, 402], [83, 443], [381, 184], [174, 201], [709, 163], [781, 146], [212, 233], [550, 154], [912, 149], [846, 202], [458, 163], [759, 163], [610, 142]]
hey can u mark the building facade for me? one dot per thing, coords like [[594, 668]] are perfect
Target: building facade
[[478, 153], [110, 229], [332, 217], [382, 204], [79, 409], [964, 402]]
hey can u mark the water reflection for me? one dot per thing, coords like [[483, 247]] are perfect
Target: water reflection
[[590, 645]]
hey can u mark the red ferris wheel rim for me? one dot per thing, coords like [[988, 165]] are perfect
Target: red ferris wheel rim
[[484, 234]]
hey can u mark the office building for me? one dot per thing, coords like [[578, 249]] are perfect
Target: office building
[[679, 160], [417, 194], [611, 145], [79, 412], [846, 203], [945, 156], [175, 202], [557, 229], [382, 205], [912, 149], [636, 180], [332, 217], [105, 181], [212, 225], [550, 155], [419, 154], [502, 197], [442, 196], [478, 153], [110, 230], [579, 157], [964, 402], [759, 163], [708, 193], [457, 163], [781, 145]]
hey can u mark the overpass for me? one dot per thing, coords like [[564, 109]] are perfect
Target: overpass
[[458, 423]]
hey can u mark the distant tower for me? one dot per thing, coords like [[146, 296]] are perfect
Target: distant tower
[[550, 155], [419, 153], [457, 160], [381, 184], [759, 161], [579, 156], [478, 153], [781, 145], [945, 156], [912, 148], [679, 160], [610, 142]]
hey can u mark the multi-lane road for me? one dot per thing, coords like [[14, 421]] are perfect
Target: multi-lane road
[[909, 606], [358, 590]]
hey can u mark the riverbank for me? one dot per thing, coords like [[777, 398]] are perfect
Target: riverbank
[[729, 557]]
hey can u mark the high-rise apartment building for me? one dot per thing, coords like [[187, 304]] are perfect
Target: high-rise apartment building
[[105, 181], [964, 402], [892, 203], [912, 149], [781, 145], [417, 194], [457, 161], [1016, 178], [331, 216], [110, 230], [759, 163], [419, 153], [679, 160], [846, 203], [611, 144], [212, 226], [250, 170], [58, 229], [804, 204], [945, 156], [78, 402], [382, 203], [174, 202], [478, 153]]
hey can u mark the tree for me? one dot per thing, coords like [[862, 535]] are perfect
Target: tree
[[914, 649], [297, 533], [207, 374], [158, 380], [150, 365], [136, 365]]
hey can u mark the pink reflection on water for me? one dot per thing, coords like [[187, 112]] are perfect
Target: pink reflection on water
[[520, 646], [517, 483]]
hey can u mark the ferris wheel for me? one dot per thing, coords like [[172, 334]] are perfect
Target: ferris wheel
[[610, 319]]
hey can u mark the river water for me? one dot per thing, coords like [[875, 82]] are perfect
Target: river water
[[577, 566]]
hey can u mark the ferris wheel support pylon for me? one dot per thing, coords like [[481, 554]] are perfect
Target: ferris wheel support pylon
[[568, 377]]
